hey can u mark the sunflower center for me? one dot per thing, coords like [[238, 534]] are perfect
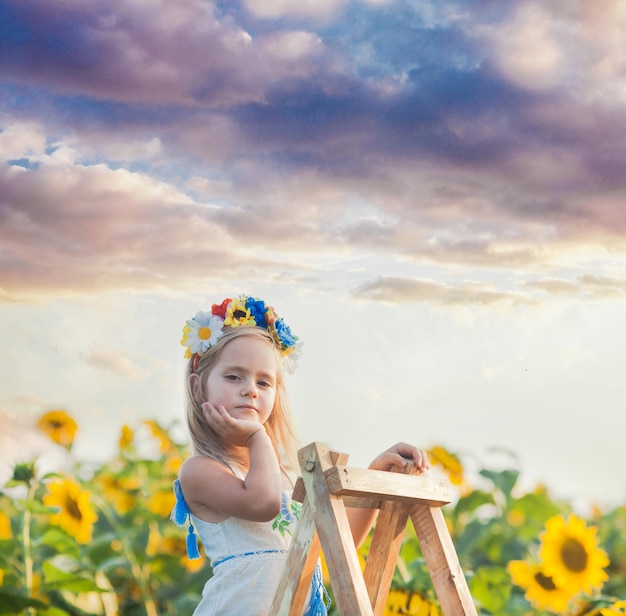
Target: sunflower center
[[239, 314], [204, 333], [574, 555], [71, 506], [544, 581]]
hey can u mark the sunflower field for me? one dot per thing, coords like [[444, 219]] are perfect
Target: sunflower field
[[97, 540]]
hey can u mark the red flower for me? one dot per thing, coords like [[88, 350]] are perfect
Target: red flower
[[220, 310]]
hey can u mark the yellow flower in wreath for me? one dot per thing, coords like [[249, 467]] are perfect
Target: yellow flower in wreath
[[238, 313], [570, 554], [540, 588], [75, 515], [59, 426]]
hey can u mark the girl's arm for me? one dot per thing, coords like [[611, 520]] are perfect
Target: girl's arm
[[212, 491], [401, 454]]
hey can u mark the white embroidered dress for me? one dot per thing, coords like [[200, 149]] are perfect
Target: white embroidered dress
[[247, 559]]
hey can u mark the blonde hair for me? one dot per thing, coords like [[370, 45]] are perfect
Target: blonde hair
[[279, 425]]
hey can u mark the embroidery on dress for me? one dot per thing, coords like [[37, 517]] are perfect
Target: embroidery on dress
[[289, 514]]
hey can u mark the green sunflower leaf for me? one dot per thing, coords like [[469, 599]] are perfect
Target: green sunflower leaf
[[503, 480], [492, 587], [14, 604]]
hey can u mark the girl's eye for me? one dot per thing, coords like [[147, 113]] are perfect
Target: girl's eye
[[264, 384], [232, 377]]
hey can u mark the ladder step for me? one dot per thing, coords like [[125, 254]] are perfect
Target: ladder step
[[365, 483]]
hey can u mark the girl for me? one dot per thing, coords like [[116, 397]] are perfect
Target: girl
[[237, 485]]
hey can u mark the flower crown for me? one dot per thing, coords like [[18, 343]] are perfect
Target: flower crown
[[204, 330]]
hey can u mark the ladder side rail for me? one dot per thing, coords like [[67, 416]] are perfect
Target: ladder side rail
[[384, 552], [442, 561], [302, 558], [332, 525], [385, 547]]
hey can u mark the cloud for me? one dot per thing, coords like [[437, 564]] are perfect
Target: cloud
[[306, 9], [586, 286], [399, 290], [68, 226], [203, 141], [114, 361], [18, 139], [133, 51], [555, 286], [529, 53], [71, 226], [603, 287]]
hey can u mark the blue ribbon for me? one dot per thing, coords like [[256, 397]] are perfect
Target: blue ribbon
[[320, 601], [180, 516]]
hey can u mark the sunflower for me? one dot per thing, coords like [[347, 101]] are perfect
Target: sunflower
[[118, 491], [5, 526], [450, 463], [165, 442], [238, 313], [570, 554], [127, 435], [75, 515], [540, 588], [158, 544], [172, 464], [401, 601], [420, 606], [59, 426], [617, 608], [162, 502]]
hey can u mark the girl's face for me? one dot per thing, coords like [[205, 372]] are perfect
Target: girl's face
[[243, 380]]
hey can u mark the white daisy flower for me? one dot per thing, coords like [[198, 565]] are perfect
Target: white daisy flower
[[202, 332], [290, 362]]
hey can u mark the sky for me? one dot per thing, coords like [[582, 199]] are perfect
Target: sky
[[432, 194]]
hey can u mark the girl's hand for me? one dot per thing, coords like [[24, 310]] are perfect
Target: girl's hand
[[233, 431], [400, 455]]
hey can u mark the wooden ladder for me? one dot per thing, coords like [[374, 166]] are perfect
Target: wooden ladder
[[326, 487]]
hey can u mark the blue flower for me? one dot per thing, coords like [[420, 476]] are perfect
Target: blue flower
[[257, 310], [284, 333]]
